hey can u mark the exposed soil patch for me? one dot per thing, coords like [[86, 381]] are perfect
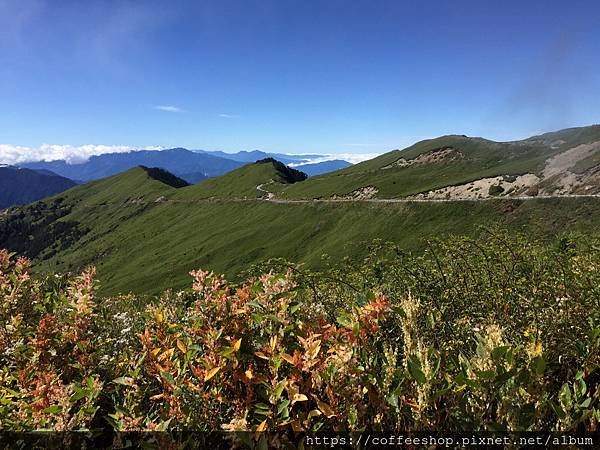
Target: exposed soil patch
[[500, 186], [562, 162], [364, 193], [431, 157], [560, 180]]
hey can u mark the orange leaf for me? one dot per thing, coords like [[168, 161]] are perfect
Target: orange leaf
[[299, 398], [325, 408], [181, 346], [211, 373], [288, 358], [262, 426], [314, 413], [237, 344], [261, 355]]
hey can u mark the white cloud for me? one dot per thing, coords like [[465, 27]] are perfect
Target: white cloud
[[226, 116], [353, 158], [169, 108], [73, 154]]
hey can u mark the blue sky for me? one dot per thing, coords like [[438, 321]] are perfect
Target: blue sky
[[292, 76]]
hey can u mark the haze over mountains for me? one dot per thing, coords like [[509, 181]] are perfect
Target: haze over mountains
[[145, 228]]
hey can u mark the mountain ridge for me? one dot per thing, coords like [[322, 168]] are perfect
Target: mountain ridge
[[144, 235]]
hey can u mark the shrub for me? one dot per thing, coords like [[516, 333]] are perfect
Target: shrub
[[500, 333], [495, 189]]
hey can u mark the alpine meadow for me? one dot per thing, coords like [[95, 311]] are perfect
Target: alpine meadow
[[322, 287]]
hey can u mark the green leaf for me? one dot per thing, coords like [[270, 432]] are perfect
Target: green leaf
[[277, 390], [565, 396], [283, 409], [168, 377], [503, 376], [499, 353], [393, 400], [414, 367], [164, 425], [557, 410], [78, 395], [485, 374], [54, 409], [344, 319], [580, 387], [262, 409], [480, 349], [539, 365]]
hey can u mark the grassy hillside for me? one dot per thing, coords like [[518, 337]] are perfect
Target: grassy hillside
[[147, 247], [243, 182], [144, 234], [465, 159], [139, 183]]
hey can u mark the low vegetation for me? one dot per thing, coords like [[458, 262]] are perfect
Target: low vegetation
[[495, 333]]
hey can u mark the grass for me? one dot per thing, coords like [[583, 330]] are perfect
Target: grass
[[241, 182], [145, 235], [144, 249]]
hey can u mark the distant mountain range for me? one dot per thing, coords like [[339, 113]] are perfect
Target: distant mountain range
[[20, 186], [191, 165], [35, 180]]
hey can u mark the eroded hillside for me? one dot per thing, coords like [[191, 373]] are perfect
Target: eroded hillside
[[460, 167]]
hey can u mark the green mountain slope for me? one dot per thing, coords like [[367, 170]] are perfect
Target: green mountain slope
[[144, 234], [243, 182], [452, 160], [137, 184], [146, 248], [77, 217]]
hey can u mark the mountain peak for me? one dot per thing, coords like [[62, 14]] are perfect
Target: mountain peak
[[286, 174], [245, 181], [158, 174]]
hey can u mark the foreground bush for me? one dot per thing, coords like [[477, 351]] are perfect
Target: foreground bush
[[495, 334]]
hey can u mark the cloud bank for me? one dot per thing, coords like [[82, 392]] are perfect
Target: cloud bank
[[352, 158], [73, 154]]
